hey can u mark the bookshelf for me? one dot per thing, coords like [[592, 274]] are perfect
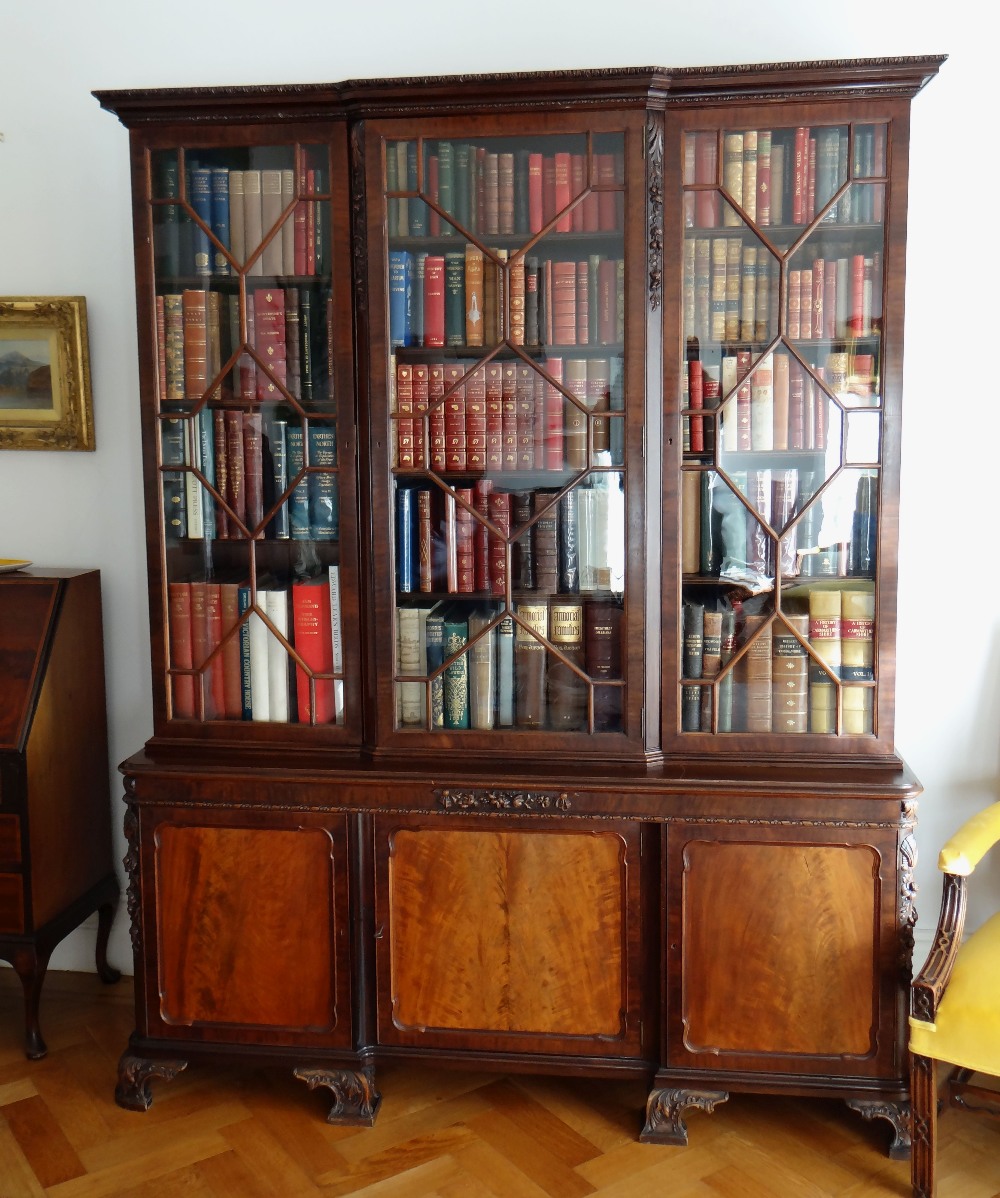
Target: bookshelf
[[577, 465]]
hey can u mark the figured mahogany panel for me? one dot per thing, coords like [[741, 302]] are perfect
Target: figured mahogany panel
[[245, 926], [508, 931], [780, 948]]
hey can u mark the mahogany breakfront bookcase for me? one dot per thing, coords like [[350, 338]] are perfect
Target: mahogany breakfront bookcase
[[521, 462]]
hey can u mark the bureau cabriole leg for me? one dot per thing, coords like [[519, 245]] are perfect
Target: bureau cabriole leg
[[30, 965], [664, 1121], [134, 1073], [355, 1099], [105, 916]]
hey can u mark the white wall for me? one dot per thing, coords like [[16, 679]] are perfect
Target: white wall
[[65, 230]]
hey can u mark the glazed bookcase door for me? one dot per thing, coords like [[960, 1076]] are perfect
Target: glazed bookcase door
[[254, 494], [787, 390], [501, 266]]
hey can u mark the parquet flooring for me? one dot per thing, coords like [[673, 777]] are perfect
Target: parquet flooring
[[440, 1133]]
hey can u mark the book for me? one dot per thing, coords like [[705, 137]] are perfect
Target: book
[[505, 671], [232, 690], [566, 689], [259, 662], [603, 656], [692, 653], [323, 484], [299, 524], [400, 298], [530, 659], [220, 220], [482, 669], [253, 221], [474, 299], [337, 637], [253, 467], [407, 544], [312, 636], [758, 673], [724, 687], [434, 301], [456, 672], [824, 628], [409, 661], [857, 632], [182, 686], [275, 601], [200, 199], [790, 674], [434, 653]]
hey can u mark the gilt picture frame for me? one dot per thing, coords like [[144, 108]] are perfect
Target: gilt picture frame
[[45, 395]]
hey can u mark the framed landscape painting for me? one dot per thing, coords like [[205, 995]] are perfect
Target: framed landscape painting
[[45, 399]]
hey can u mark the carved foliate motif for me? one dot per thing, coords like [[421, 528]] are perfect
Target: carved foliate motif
[[134, 1073], [133, 903], [897, 1114], [664, 1111], [355, 1099], [654, 209], [502, 800], [358, 215]]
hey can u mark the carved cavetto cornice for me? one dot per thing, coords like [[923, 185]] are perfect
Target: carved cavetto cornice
[[502, 800]]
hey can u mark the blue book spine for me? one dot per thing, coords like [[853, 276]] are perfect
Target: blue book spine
[[220, 219], [298, 504], [206, 436], [324, 495], [243, 603], [405, 537], [200, 195], [400, 298]]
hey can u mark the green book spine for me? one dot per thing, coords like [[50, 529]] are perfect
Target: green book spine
[[456, 674]]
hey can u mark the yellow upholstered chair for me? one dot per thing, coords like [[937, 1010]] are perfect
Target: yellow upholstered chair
[[955, 999]]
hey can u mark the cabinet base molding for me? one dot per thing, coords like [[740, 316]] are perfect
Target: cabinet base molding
[[355, 1098], [664, 1113]]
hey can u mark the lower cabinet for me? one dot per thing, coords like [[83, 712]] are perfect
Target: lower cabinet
[[704, 942]]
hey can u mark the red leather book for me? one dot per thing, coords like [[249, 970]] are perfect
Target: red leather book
[[599, 401], [235, 494], [526, 376], [505, 190], [535, 203], [706, 210], [481, 533], [857, 303], [311, 212], [494, 413], [420, 381], [582, 303], [475, 419], [763, 178], [465, 549], [232, 682], [800, 167], [805, 305], [269, 341], [312, 636], [562, 170], [248, 367], [434, 300], [405, 458], [539, 388], [830, 299], [696, 401], [499, 512], [253, 467], [491, 194], [200, 644], [818, 298], [425, 540], [181, 650], [548, 188], [564, 303], [195, 314], [508, 418], [554, 416], [820, 402], [214, 627], [795, 303], [435, 416], [454, 417], [577, 184]]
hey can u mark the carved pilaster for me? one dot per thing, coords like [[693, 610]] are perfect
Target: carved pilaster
[[654, 209], [134, 1074], [898, 1114], [355, 1099], [358, 207], [133, 903], [664, 1113]]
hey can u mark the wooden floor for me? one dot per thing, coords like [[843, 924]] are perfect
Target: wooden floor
[[261, 1134]]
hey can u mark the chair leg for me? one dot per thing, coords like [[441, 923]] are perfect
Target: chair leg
[[924, 1106]]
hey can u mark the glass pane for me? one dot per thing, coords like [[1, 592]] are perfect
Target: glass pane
[[782, 427], [505, 284], [246, 400]]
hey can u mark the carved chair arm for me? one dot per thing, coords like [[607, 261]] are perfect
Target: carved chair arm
[[930, 983], [963, 851]]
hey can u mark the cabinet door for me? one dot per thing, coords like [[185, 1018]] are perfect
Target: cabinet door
[[248, 405], [509, 938], [245, 929], [783, 948], [786, 380], [504, 269]]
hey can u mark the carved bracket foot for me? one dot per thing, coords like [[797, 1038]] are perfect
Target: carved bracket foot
[[355, 1099], [898, 1115], [664, 1108], [134, 1073]]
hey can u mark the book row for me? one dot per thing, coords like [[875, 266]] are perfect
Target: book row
[[484, 540], [788, 678], [269, 655], [256, 466], [480, 666], [507, 415], [786, 176], [228, 216], [472, 297], [774, 521], [730, 293], [282, 347], [779, 406], [497, 192]]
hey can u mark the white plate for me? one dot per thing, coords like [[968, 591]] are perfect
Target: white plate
[[9, 564]]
